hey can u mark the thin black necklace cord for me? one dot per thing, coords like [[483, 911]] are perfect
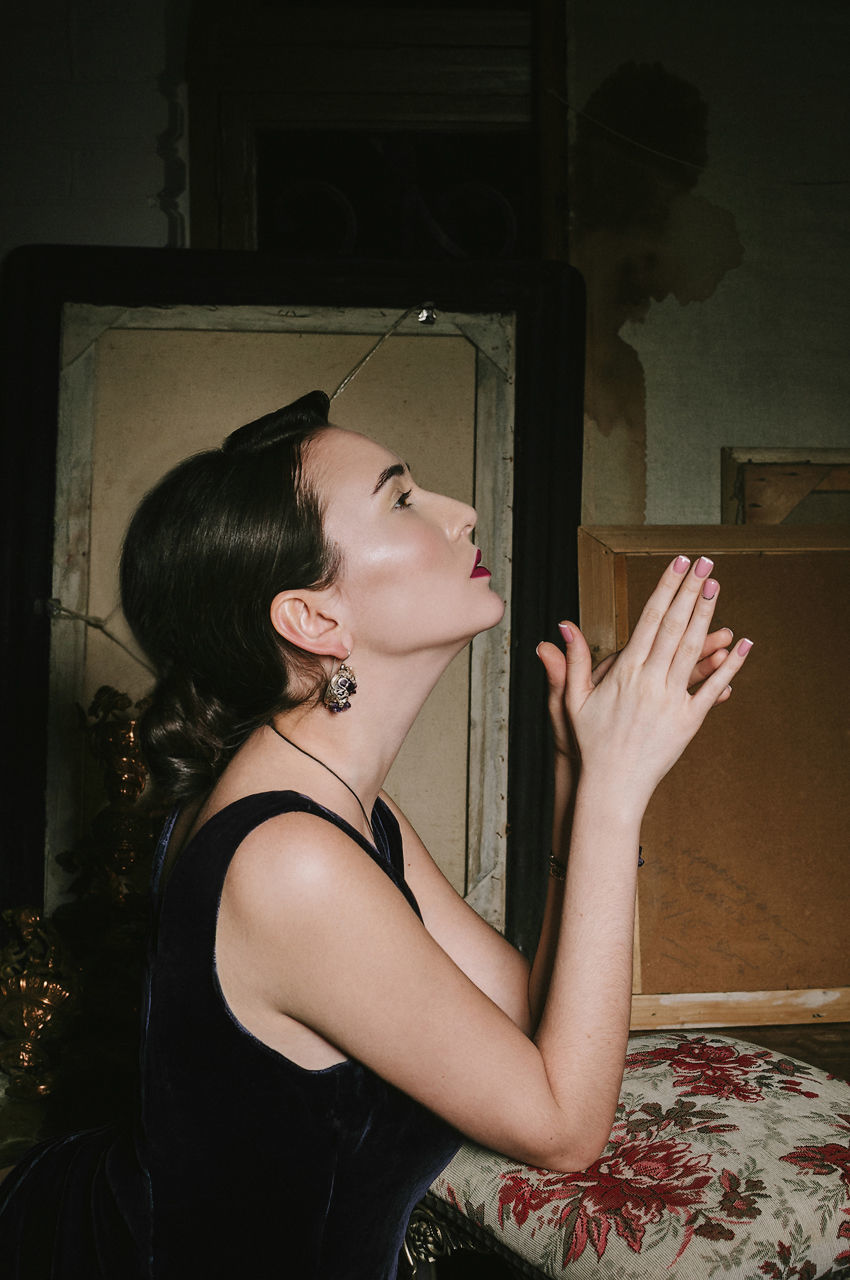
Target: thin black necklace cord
[[310, 756]]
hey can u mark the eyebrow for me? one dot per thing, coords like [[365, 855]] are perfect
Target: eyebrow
[[397, 469]]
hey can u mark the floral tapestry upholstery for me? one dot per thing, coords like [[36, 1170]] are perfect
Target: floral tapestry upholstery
[[725, 1160]]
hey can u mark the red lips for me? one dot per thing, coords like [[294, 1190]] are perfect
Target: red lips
[[480, 570]]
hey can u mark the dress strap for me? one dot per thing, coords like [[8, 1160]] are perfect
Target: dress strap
[[160, 852]]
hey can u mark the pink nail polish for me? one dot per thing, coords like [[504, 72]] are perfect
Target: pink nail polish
[[703, 567], [680, 564], [710, 589], [744, 647], [565, 631]]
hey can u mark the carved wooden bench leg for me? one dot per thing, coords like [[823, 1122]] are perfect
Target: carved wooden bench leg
[[437, 1231]]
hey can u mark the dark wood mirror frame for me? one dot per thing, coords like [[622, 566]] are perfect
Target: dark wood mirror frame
[[547, 301]]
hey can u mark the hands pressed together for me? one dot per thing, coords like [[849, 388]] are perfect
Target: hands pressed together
[[631, 718]]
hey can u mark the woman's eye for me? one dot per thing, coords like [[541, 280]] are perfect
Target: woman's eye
[[402, 501]]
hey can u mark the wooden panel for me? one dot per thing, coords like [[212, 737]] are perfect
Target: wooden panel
[[764, 486], [484, 109], [772, 491], [253, 67], [746, 886], [378, 26], [734, 1008], [327, 70], [837, 480]]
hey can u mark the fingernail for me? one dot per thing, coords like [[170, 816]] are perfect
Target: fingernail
[[565, 631], [710, 589], [680, 564], [744, 647], [703, 567]]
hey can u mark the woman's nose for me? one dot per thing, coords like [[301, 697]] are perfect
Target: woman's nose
[[466, 518], [458, 518]]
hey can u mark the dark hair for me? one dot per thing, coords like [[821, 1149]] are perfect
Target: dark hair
[[205, 554]]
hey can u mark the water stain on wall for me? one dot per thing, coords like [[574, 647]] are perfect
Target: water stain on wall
[[639, 235]]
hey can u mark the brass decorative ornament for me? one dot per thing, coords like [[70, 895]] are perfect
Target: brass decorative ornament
[[38, 991], [430, 1237], [73, 981]]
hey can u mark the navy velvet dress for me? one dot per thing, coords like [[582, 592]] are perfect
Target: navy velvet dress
[[245, 1164]]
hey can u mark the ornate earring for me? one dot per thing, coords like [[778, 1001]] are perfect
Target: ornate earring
[[341, 687]]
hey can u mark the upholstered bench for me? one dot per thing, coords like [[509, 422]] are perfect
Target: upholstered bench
[[725, 1160]]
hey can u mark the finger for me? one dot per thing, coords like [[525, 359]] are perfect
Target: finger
[[655, 609], [684, 659], [688, 614], [720, 639], [579, 668], [706, 666], [718, 687], [555, 666], [602, 667]]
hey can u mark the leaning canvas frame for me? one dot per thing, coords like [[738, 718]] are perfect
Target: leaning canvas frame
[[716, 804], [546, 299], [493, 338]]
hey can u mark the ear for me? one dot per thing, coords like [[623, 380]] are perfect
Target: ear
[[305, 619]]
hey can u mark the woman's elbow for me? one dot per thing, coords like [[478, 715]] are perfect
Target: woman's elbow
[[573, 1152], [575, 1159]]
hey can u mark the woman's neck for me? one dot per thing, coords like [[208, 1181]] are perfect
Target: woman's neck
[[360, 744]]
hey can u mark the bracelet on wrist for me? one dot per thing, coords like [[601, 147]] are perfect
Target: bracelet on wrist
[[558, 868]]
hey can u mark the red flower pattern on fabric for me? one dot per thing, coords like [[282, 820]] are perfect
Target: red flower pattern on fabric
[[783, 1270], [823, 1160], [628, 1189], [719, 1070], [660, 1179], [843, 1233], [740, 1200]]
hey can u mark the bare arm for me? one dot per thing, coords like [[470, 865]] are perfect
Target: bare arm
[[620, 768], [567, 769], [327, 939], [566, 772], [497, 968]]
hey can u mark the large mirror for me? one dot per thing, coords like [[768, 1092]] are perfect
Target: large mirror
[[119, 363]]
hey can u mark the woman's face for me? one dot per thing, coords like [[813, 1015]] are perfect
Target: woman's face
[[410, 575]]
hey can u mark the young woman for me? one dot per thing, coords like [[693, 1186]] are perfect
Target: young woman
[[326, 1017]]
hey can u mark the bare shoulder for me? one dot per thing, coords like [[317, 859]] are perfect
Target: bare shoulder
[[303, 907], [299, 898], [293, 858], [292, 891]]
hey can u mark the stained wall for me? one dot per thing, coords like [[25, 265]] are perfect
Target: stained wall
[[710, 203], [709, 215]]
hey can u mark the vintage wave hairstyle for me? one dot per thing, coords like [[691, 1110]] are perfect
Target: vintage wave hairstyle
[[204, 556]]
